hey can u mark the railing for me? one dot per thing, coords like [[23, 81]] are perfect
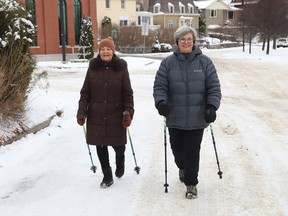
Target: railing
[[127, 49], [81, 54]]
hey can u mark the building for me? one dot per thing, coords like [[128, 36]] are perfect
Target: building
[[47, 19], [217, 13], [172, 14], [120, 12]]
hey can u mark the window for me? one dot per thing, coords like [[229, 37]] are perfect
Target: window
[[186, 21], [141, 19], [170, 8], [30, 7], [64, 21], [213, 13], [122, 4], [189, 23], [138, 7], [77, 20], [146, 19], [123, 22], [156, 8], [190, 8], [231, 15], [181, 8], [170, 24], [107, 3]]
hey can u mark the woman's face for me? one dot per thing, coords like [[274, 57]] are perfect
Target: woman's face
[[106, 54], [185, 43]]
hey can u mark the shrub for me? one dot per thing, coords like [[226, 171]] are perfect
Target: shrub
[[16, 64], [129, 39]]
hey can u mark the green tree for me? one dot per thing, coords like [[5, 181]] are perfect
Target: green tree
[[16, 63], [86, 43], [106, 27]]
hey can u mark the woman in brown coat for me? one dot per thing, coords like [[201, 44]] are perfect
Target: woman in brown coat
[[106, 101]]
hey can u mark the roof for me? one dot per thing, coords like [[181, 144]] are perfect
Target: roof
[[213, 5], [164, 4]]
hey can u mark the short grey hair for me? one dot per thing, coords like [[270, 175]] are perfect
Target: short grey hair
[[183, 30]]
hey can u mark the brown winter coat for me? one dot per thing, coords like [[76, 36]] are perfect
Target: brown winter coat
[[105, 95]]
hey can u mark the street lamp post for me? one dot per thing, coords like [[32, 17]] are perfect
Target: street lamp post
[[63, 41]]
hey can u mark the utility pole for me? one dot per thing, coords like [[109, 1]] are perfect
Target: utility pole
[[63, 36]]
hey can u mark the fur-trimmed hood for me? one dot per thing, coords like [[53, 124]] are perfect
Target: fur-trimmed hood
[[117, 64]]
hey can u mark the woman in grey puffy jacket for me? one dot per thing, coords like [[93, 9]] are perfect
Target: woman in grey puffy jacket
[[187, 92]]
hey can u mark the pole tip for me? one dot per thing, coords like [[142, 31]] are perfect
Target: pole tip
[[166, 187], [220, 174], [93, 168], [137, 169]]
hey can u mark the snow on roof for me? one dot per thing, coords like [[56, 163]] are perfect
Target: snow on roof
[[202, 4], [212, 5], [186, 18], [228, 2], [234, 8], [170, 4]]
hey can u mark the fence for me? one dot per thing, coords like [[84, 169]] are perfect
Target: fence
[[78, 54], [134, 49]]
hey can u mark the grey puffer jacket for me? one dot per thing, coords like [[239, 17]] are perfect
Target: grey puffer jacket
[[188, 82]]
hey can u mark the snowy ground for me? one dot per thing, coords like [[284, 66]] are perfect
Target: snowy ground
[[47, 173]]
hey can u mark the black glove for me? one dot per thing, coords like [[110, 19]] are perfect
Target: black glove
[[163, 108], [210, 114]]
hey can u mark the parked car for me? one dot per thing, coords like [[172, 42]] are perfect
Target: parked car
[[282, 42], [161, 47]]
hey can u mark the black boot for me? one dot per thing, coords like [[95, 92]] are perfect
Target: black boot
[[191, 192], [120, 167], [108, 178]]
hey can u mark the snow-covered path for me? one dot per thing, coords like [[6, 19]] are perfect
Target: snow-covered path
[[48, 173]]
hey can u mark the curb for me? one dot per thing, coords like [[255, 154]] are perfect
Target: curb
[[33, 130]]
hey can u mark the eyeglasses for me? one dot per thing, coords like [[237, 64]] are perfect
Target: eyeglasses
[[186, 40]]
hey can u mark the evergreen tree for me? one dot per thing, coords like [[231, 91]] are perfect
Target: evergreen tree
[[106, 27], [16, 63], [16, 28], [202, 25], [86, 39]]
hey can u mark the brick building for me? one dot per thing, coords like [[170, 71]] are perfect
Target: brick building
[[47, 19]]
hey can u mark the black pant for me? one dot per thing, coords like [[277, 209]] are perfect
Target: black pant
[[185, 145], [103, 154]]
